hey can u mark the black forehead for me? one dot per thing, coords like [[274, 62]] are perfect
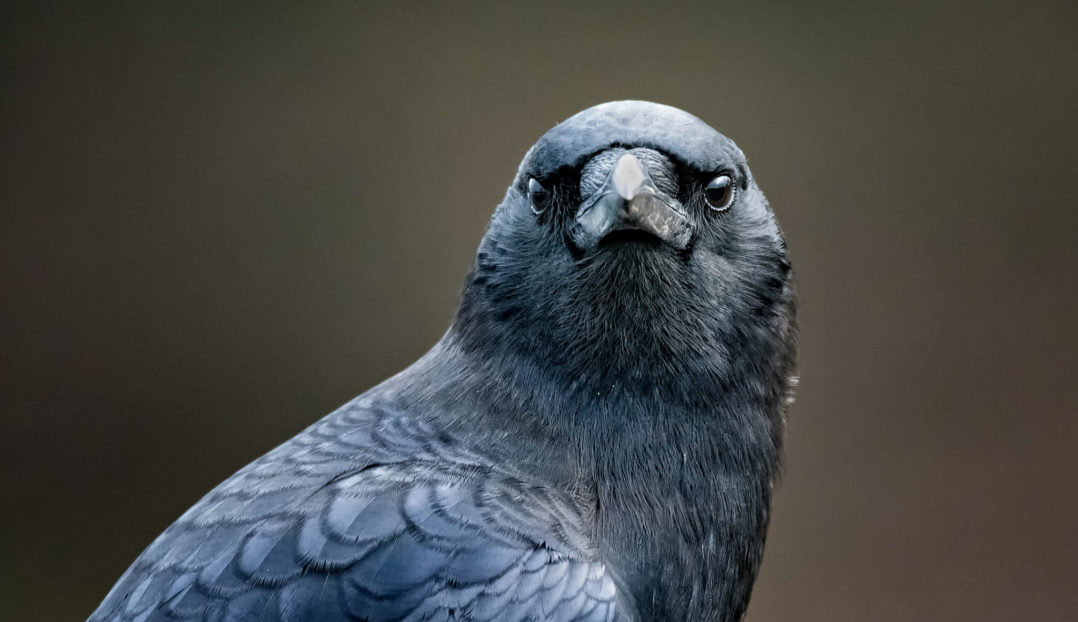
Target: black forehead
[[630, 124]]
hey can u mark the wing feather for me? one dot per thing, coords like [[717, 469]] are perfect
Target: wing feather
[[368, 514]]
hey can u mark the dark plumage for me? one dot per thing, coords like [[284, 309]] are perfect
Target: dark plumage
[[596, 436]]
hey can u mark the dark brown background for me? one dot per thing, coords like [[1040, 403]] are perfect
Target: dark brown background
[[221, 222]]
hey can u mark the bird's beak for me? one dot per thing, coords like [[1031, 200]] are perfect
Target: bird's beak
[[629, 200]]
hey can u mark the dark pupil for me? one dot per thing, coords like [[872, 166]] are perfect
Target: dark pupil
[[719, 191], [536, 192]]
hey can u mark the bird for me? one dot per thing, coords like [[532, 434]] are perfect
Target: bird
[[597, 435]]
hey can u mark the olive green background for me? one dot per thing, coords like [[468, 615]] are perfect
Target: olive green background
[[219, 221]]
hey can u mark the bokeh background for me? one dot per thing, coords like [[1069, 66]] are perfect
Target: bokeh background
[[221, 220]]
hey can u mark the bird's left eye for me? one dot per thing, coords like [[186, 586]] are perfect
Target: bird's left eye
[[719, 192], [538, 195]]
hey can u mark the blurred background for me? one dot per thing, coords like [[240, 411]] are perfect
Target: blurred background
[[219, 222]]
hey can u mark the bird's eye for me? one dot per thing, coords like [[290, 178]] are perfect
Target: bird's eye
[[538, 195], [719, 192]]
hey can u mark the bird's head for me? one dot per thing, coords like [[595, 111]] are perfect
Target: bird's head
[[634, 244]]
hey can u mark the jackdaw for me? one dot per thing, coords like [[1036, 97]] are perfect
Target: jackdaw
[[596, 437]]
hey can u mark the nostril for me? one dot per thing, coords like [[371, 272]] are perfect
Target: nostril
[[659, 167], [597, 169], [656, 165]]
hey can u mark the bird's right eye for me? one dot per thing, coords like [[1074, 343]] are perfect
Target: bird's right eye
[[538, 195]]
